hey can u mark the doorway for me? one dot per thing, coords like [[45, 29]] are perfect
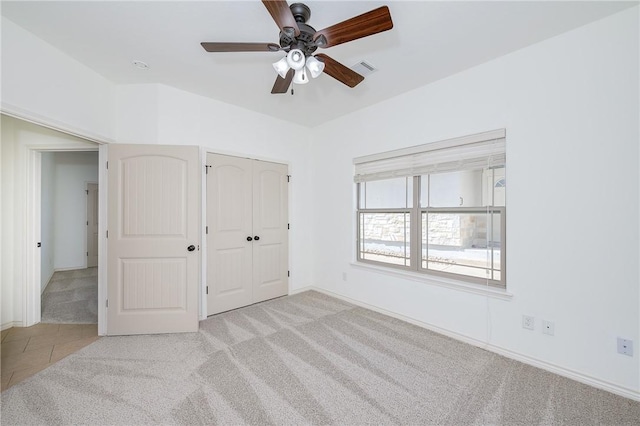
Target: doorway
[[69, 219]]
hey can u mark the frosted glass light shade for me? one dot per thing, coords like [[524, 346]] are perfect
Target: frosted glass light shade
[[281, 67], [315, 66], [295, 59], [301, 76]]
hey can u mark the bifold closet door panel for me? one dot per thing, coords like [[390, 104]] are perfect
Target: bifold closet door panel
[[229, 221], [270, 220]]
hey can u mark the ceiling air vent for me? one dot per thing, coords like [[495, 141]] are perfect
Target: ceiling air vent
[[364, 68]]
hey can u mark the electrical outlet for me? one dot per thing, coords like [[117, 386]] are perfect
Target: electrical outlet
[[625, 346], [548, 327], [528, 322]]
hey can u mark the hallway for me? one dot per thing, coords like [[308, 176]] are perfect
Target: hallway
[[71, 297]]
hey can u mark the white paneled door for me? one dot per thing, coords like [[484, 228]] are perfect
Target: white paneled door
[[153, 240], [229, 227], [270, 234], [247, 241]]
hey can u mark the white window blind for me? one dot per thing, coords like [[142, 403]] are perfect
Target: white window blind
[[477, 151]]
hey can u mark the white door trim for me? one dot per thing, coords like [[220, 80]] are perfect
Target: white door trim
[[102, 240], [203, 234], [30, 287], [50, 123]]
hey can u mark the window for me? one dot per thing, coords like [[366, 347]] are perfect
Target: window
[[436, 209]]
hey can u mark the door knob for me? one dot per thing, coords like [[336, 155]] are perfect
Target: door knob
[[191, 247], [256, 238], [249, 239]]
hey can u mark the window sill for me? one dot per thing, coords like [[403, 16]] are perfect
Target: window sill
[[438, 281]]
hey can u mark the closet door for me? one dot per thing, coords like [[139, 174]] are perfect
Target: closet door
[[270, 248], [247, 240], [229, 221]]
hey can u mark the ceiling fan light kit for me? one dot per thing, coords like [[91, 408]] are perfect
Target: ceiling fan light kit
[[314, 66], [300, 41], [295, 59], [300, 77], [281, 67]]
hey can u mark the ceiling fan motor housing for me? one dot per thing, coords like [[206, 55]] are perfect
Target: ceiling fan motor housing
[[304, 41]]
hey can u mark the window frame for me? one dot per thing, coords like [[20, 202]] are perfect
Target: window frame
[[415, 234], [467, 278]]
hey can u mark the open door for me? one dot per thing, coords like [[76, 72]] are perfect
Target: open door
[[153, 239]]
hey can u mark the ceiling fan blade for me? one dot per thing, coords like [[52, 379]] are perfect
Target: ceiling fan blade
[[240, 47], [282, 84], [372, 22], [338, 71], [280, 12]]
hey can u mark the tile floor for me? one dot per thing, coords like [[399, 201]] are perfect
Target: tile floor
[[27, 350]]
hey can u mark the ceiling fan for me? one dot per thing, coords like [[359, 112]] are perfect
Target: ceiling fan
[[300, 41]]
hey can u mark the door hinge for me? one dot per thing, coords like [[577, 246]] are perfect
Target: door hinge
[[107, 233], [288, 273], [288, 178], [38, 244], [107, 165], [87, 254], [107, 304], [87, 223], [288, 226], [206, 229], [206, 169], [207, 291], [87, 191]]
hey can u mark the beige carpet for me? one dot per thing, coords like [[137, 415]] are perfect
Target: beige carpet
[[71, 297], [303, 359]]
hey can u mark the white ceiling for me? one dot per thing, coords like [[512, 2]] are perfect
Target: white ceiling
[[429, 41]]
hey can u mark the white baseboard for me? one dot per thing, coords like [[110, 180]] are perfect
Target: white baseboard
[[526, 359], [10, 324], [72, 268]]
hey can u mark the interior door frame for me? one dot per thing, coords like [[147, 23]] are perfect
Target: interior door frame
[[86, 229], [203, 156]]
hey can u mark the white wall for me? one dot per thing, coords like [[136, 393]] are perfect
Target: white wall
[[166, 115], [73, 170], [42, 84], [570, 107], [47, 190], [49, 86], [20, 140]]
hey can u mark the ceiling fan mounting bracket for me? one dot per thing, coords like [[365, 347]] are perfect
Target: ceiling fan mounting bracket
[[301, 12]]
